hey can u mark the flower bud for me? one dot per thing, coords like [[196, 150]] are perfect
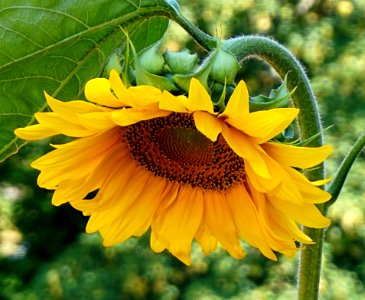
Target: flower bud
[[181, 62], [151, 59], [225, 67]]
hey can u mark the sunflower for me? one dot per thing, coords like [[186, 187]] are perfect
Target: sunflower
[[153, 160]]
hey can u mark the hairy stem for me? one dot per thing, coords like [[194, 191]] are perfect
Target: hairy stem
[[284, 63]]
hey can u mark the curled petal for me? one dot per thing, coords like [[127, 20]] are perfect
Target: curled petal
[[172, 103], [238, 104], [266, 124], [294, 156], [250, 152], [127, 116], [208, 125], [98, 90], [199, 98]]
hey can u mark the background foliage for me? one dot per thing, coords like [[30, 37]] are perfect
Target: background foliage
[[44, 253]]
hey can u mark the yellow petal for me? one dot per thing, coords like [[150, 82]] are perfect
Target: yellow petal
[[129, 116], [57, 123], [75, 191], [294, 156], [98, 90], [117, 195], [111, 170], [245, 216], [292, 228], [173, 103], [178, 223], [261, 184], [167, 199], [278, 223], [64, 109], [322, 181], [156, 244], [199, 98], [207, 242], [288, 188], [276, 234], [35, 132], [136, 219], [68, 190], [238, 104], [219, 220], [310, 193], [96, 121], [265, 124], [170, 196], [250, 152], [144, 95], [305, 214], [141, 97], [207, 124], [119, 89], [59, 165]]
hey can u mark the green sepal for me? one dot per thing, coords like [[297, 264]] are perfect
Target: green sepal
[[287, 135], [219, 96], [151, 59], [202, 74], [181, 62], [312, 138], [278, 98], [145, 78], [225, 67]]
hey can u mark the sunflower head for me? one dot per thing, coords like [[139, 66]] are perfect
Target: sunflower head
[[174, 165]]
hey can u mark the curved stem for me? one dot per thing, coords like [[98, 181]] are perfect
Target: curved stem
[[309, 122], [172, 12], [284, 63], [345, 167], [205, 40]]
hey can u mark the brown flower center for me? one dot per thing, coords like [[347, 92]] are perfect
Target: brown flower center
[[172, 147]]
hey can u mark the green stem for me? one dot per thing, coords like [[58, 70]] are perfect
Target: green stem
[[309, 122], [342, 172], [203, 39], [284, 63]]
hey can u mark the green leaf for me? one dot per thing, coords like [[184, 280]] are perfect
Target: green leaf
[[56, 46]]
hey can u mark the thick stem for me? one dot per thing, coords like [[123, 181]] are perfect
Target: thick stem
[[309, 122]]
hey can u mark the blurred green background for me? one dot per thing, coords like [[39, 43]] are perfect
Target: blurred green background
[[45, 254]]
